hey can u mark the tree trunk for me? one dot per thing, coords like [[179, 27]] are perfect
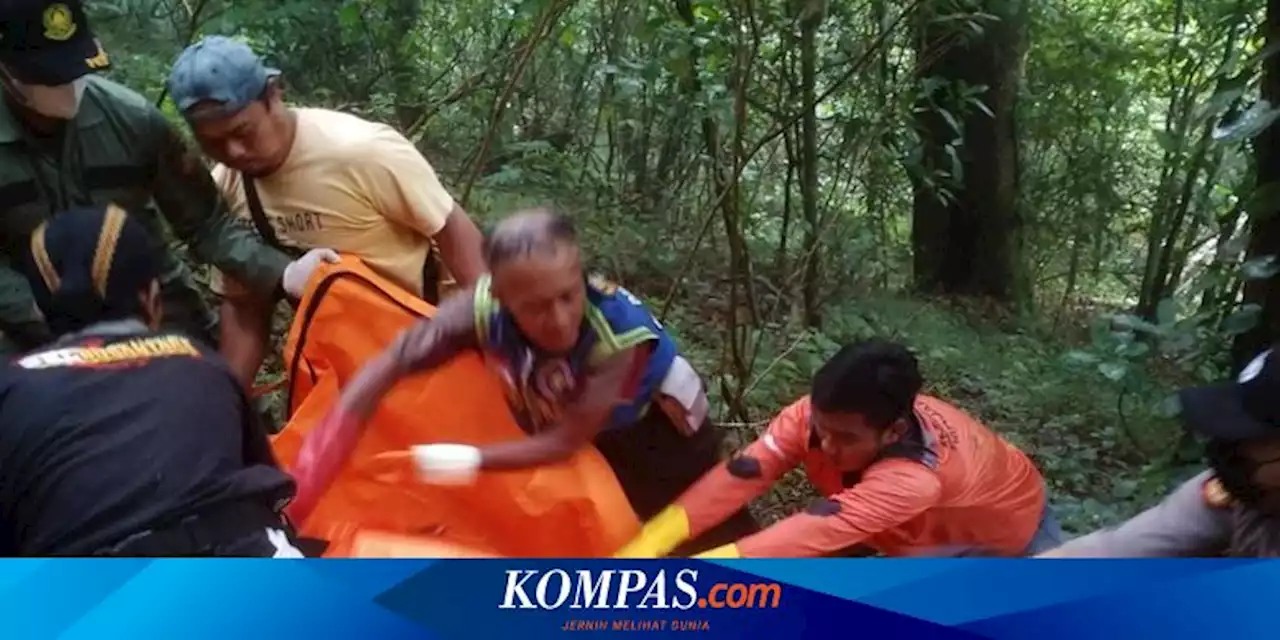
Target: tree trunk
[[1264, 236], [408, 105], [967, 244], [810, 19]]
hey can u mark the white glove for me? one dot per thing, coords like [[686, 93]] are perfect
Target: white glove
[[298, 273], [455, 464]]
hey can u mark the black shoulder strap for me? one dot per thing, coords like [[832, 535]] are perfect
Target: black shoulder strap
[[431, 277], [259, 216]]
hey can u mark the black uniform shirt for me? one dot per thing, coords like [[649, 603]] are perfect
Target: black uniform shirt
[[118, 430]]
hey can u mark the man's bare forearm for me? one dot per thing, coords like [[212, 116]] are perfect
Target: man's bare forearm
[[460, 248], [582, 419], [245, 332]]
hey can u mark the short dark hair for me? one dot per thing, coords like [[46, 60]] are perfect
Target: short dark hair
[[527, 232], [876, 378]]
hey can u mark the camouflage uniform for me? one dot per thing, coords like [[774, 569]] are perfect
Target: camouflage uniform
[[119, 148]]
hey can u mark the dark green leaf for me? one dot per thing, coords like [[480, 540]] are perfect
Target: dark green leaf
[[951, 120], [1267, 51], [1124, 488], [980, 105], [349, 15], [706, 12], [1113, 371], [1166, 141], [1130, 321], [1170, 406], [1133, 349], [1264, 201], [957, 167], [568, 37], [1218, 103], [1242, 320], [1260, 268], [1166, 312], [1080, 357]]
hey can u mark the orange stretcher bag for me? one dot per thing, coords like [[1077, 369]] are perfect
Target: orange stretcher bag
[[349, 314], [370, 543]]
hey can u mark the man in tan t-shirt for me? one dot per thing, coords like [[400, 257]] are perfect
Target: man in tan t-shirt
[[322, 179]]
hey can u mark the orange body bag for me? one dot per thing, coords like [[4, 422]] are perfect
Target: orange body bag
[[376, 504]]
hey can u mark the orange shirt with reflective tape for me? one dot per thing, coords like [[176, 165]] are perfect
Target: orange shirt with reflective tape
[[976, 490]]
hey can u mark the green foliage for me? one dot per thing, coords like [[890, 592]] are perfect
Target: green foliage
[[672, 131]]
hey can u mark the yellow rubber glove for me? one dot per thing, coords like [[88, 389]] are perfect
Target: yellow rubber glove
[[725, 551], [659, 535]]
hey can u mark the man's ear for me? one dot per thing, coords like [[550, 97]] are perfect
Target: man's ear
[[895, 432], [274, 93]]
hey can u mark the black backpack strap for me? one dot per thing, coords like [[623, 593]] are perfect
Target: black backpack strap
[[430, 266], [259, 216], [431, 276]]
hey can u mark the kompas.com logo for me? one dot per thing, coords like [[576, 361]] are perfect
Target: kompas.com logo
[[631, 588]]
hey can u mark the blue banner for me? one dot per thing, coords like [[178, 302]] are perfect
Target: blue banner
[[526, 599]]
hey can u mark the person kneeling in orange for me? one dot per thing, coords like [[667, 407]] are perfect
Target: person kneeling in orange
[[903, 473]]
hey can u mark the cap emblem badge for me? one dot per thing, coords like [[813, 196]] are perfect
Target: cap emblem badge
[[58, 23]]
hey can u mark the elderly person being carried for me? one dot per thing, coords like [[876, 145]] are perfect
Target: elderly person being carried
[[583, 362]]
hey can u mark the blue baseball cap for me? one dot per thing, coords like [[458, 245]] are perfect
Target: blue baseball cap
[[221, 70]]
